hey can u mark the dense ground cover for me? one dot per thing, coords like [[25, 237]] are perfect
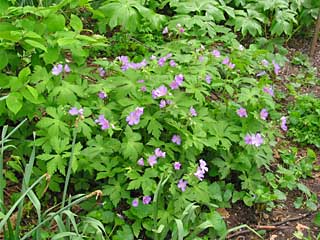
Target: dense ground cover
[[163, 110]]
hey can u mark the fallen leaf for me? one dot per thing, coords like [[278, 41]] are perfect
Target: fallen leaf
[[223, 212], [273, 237]]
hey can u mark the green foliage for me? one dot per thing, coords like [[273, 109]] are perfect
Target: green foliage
[[100, 119], [304, 120]]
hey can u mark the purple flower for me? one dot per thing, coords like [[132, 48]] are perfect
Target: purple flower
[[248, 139], [104, 123], [259, 74], [165, 30], [75, 111], [177, 166], [203, 165], [101, 71], [102, 95], [242, 112], [146, 199], [284, 123], [159, 153], [265, 62], [172, 63], [208, 78], [162, 61], [268, 90], [177, 82], [201, 58], [143, 88], [264, 114], [201, 170], [226, 61], [163, 103], [174, 85], [231, 65], [179, 78], [216, 53], [123, 59], [176, 139], [135, 202], [140, 162], [181, 30], [257, 140], [169, 55], [193, 112], [57, 69], [276, 67], [152, 160], [199, 174], [140, 81], [254, 139], [182, 185], [159, 92], [134, 117], [66, 68]]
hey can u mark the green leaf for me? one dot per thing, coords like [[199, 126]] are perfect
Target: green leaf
[[76, 23], [14, 102], [51, 56], [55, 22], [36, 44], [316, 219], [3, 59]]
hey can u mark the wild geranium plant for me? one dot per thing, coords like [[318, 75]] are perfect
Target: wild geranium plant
[[171, 131]]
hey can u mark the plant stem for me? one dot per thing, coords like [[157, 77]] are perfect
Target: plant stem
[[69, 167], [315, 36]]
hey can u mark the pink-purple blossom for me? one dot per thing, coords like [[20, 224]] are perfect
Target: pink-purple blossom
[[182, 185], [162, 103], [57, 69], [75, 111], [126, 64], [193, 112], [165, 30], [201, 170], [177, 82], [201, 58], [216, 53], [242, 112], [102, 95], [284, 123], [66, 68], [140, 162], [101, 71], [208, 78], [146, 200], [159, 92], [264, 114], [159, 153], [134, 117], [177, 166], [135, 202], [176, 139], [276, 67], [254, 139], [143, 88], [268, 90], [104, 123], [172, 63], [265, 62], [152, 160]]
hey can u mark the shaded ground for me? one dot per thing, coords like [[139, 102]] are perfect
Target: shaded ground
[[285, 219]]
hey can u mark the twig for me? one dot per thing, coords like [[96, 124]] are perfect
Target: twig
[[275, 226]]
